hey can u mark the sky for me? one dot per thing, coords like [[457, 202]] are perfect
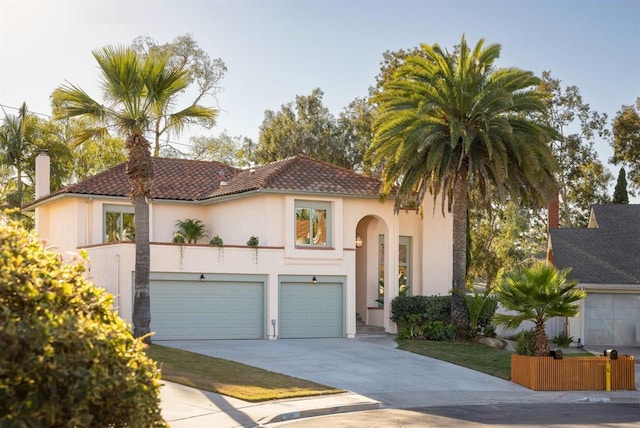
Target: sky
[[275, 50]]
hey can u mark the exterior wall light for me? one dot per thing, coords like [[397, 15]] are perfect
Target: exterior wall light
[[201, 277], [314, 280], [358, 242]]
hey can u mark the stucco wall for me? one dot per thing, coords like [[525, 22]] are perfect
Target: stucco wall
[[79, 222]]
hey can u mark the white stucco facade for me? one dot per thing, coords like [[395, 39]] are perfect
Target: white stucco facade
[[70, 223]]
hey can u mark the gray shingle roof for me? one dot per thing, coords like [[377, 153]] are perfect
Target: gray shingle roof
[[608, 254], [189, 180]]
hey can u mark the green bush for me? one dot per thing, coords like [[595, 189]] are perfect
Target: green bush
[[526, 344], [481, 308], [437, 330], [562, 340], [66, 360], [431, 308], [411, 327]]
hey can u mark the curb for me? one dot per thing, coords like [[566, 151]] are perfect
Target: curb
[[321, 412]]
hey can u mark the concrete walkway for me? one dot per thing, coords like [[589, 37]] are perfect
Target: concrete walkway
[[374, 373]]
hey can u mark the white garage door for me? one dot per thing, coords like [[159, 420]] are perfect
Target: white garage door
[[311, 310], [612, 319], [207, 310]]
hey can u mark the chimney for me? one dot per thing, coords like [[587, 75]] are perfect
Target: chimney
[[43, 174], [553, 212]]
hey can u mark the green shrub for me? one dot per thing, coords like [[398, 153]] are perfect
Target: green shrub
[[562, 340], [481, 308], [437, 330], [526, 344], [432, 308], [411, 327], [66, 360]]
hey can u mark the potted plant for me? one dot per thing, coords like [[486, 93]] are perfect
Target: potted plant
[[254, 241], [188, 231], [217, 241]]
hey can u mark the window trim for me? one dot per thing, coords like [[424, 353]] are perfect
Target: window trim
[[115, 208], [314, 205]]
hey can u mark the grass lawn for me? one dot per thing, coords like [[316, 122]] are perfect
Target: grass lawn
[[231, 378], [496, 362], [478, 357]]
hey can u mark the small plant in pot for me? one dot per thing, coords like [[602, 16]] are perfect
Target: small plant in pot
[[217, 241], [188, 231], [254, 241]]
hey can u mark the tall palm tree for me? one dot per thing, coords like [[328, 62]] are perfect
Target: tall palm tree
[[537, 294], [136, 92], [450, 121], [15, 145]]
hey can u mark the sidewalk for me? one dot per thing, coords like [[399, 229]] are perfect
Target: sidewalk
[[183, 406]]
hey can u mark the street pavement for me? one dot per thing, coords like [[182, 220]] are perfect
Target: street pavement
[[373, 372]]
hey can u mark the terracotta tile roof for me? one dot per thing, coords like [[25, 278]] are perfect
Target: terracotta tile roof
[[301, 174], [189, 180], [607, 254], [175, 179]]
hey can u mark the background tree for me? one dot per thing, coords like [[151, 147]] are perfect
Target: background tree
[[626, 141], [137, 92], [231, 150], [449, 122], [620, 195], [22, 137], [537, 294], [583, 179], [355, 133], [184, 54], [17, 147], [503, 236], [307, 127]]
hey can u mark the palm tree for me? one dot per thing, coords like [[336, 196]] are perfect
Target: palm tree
[[537, 294], [15, 145], [136, 92], [450, 121]]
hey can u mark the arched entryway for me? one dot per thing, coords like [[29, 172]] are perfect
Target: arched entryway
[[371, 265]]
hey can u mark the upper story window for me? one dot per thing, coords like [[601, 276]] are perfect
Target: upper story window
[[313, 223], [119, 224]]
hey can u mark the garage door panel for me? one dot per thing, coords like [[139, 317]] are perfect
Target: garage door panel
[[209, 310], [612, 319], [311, 310]]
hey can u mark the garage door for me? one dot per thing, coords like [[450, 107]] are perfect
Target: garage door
[[310, 310], [612, 319], [207, 310]]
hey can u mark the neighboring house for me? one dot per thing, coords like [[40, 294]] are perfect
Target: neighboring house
[[605, 258], [328, 247]]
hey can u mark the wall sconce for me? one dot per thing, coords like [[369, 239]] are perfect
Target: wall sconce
[[314, 280], [201, 277], [358, 241]]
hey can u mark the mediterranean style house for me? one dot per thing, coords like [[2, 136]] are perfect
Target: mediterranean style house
[[328, 251], [605, 259]]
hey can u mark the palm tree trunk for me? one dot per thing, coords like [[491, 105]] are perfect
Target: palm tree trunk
[[140, 175], [142, 302], [459, 315], [541, 341]]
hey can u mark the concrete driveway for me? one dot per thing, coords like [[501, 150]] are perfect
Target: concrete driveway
[[373, 367]]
